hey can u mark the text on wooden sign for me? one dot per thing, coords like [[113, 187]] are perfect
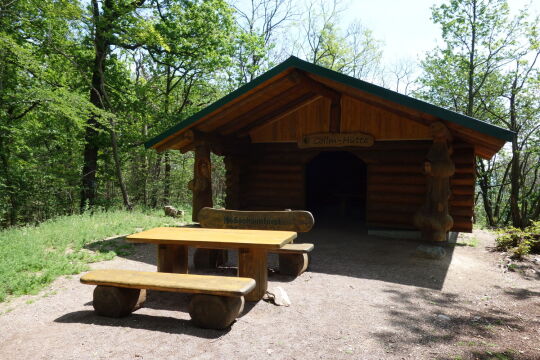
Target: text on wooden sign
[[336, 140]]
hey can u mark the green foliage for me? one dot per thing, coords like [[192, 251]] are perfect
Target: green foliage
[[33, 256], [519, 242]]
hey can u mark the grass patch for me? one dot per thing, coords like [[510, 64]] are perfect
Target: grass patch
[[470, 241], [31, 257]]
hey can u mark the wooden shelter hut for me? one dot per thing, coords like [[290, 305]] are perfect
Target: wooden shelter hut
[[302, 136]]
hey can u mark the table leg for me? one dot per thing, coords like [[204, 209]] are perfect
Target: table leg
[[252, 263], [172, 259]]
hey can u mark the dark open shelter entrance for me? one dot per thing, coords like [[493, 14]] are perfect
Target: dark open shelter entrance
[[336, 186]]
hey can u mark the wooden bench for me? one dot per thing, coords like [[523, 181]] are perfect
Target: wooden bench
[[217, 302], [293, 258]]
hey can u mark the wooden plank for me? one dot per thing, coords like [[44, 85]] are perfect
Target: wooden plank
[[214, 238], [196, 284], [295, 248], [276, 115], [462, 190], [397, 189], [177, 141], [248, 102], [396, 198], [461, 200], [396, 168], [397, 180], [383, 122], [299, 221], [461, 211], [462, 179], [392, 207], [335, 116]]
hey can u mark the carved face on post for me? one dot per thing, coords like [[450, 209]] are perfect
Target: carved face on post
[[204, 168]]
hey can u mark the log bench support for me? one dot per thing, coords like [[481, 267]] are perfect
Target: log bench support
[[294, 259], [217, 302]]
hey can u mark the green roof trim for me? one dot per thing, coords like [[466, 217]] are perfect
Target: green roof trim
[[294, 62]]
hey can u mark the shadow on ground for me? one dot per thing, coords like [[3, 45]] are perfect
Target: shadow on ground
[[341, 249], [157, 300], [164, 324], [445, 319]]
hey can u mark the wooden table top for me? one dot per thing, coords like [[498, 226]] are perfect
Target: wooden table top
[[214, 238]]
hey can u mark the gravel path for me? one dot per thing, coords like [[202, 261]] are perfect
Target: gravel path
[[363, 298]]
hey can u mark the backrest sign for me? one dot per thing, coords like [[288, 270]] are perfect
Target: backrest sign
[[336, 140]]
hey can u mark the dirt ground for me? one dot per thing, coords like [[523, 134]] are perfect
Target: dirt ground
[[364, 297]]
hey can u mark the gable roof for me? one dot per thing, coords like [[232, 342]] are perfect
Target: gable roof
[[333, 77]]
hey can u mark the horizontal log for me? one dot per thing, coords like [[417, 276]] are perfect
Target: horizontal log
[[462, 227], [461, 200], [397, 180], [462, 179], [378, 206], [256, 177], [464, 169], [271, 195], [461, 211], [274, 202], [282, 186], [398, 189], [288, 168], [396, 168], [462, 190]]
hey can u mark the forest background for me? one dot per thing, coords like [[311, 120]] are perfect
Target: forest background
[[83, 84]]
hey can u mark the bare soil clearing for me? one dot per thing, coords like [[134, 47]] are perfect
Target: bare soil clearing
[[364, 297]]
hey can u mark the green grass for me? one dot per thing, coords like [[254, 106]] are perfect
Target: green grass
[[31, 257]]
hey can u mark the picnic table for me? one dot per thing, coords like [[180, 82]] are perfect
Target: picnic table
[[253, 245]]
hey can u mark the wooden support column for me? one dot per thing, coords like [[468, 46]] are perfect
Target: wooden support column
[[172, 259], [433, 218], [201, 185], [252, 263]]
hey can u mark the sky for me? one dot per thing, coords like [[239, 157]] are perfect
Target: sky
[[405, 26]]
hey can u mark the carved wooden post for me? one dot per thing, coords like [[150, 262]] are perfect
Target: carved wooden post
[[201, 185], [433, 218]]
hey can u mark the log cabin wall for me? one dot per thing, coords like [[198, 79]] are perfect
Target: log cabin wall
[[272, 177]]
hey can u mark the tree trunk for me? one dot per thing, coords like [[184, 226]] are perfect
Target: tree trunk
[[97, 98], [483, 182], [118, 168], [167, 179], [155, 188]]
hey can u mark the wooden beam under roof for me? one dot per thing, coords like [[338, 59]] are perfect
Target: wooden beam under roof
[[262, 109], [250, 101], [280, 113]]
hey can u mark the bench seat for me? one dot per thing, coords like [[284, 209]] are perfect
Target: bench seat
[[217, 302], [294, 249]]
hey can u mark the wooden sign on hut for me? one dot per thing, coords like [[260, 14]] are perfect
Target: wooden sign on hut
[[304, 137]]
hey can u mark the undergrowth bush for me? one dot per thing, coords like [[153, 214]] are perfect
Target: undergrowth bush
[[519, 242]]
